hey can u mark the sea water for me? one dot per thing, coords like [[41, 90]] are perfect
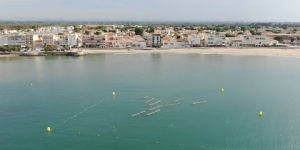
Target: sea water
[[72, 95]]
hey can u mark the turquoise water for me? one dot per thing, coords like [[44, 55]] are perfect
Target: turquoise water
[[72, 95]]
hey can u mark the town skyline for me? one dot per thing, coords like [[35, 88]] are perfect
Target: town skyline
[[143, 10]]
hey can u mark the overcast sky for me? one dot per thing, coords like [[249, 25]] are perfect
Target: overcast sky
[[152, 10]]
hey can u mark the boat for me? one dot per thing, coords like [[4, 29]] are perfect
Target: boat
[[159, 106], [153, 112], [154, 103], [196, 103], [179, 100], [168, 105], [148, 101], [139, 113]]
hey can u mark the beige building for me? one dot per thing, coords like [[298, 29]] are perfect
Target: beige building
[[96, 41]]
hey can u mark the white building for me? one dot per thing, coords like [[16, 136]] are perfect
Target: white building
[[156, 40], [233, 41], [73, 40], [19, 40], [247, 40], [215, 40], [261, 41], [195, 39], [31, 38], [174, 43], [3, 40], [50, 39]]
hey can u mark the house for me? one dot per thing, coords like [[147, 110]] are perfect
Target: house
[[233, 41], [156, 40], [261, 40], [174, 43], [247, 40], [215, 40], [195, 40]]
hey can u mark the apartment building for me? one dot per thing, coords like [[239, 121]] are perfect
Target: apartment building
[[18, 40], [195, 39], [31, 38], [50, 39], [156, 40], [261, 41], [174, 43], [96, 41], [215, 40], [3, 40]]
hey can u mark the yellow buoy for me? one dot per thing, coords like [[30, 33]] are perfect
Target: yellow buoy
[[113, 94], [260, 113], [222, 90], [48, 129]]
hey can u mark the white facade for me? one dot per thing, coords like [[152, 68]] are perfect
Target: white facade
[[73, 40], [30, 39], [19, 40], [63, 41], [247, 40], [156, 40], [194, 39], [3, 41], [175, 44], [261, 41], [49, 39], [215, 40], [139, 44]]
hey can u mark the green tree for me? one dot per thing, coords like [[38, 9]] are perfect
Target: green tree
[[278, 38], [87, 32], [98, 32], [229, 35], [219, 29], [151, 29], [244, 28], [67, 47], [252, 32], [139, 31], [50, 47], [77, 30], [295, 30], [293, 39]]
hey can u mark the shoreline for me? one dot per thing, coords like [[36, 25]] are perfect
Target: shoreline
[[205, 51], [220, 51]]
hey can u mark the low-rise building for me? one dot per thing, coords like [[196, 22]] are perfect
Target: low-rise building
[[156, 40], [215, 40], [30, 39], [195, 40], [261, 41], [97, 41], [50, 39], [3, 40], [17, 40], [175, 43]]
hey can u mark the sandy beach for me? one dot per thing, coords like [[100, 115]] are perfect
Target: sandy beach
[[227, 51]]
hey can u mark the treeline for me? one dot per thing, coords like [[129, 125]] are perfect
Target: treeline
[[10, 48]]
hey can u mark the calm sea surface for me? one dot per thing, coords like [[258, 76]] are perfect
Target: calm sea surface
[[72, 95]]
